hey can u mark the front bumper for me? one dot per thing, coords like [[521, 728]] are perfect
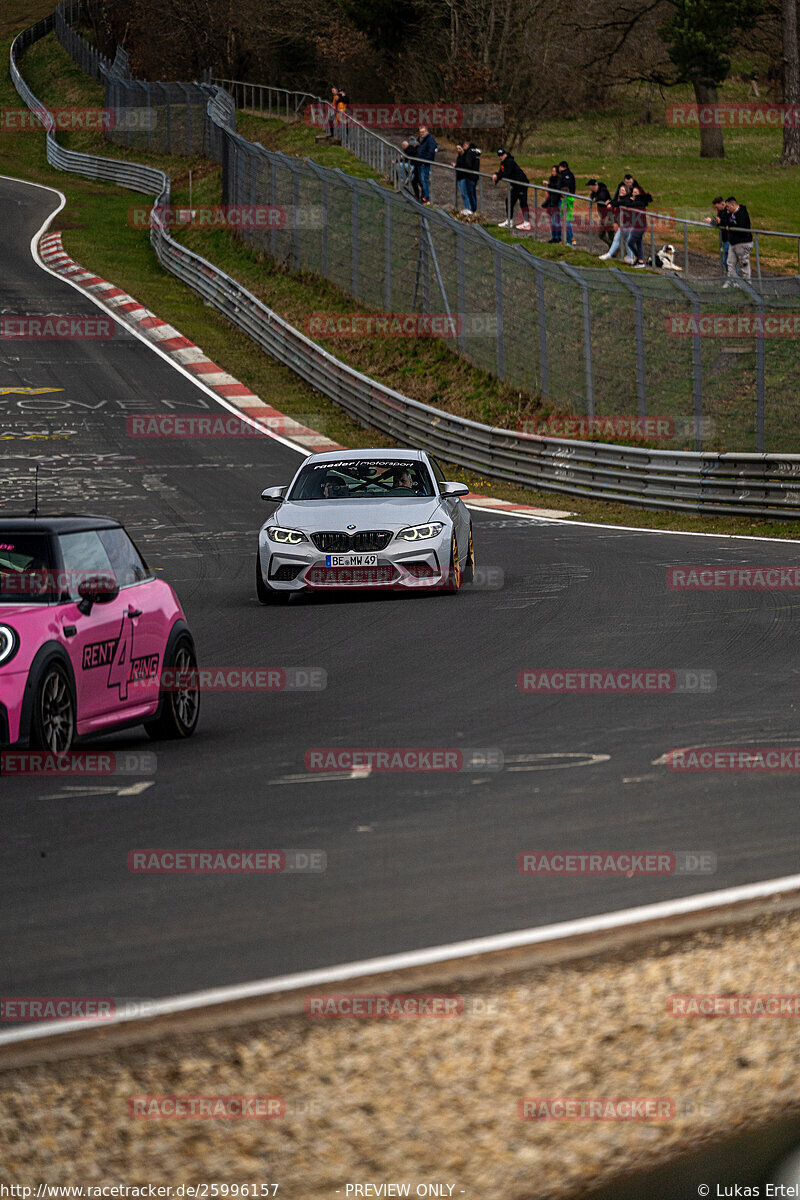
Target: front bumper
[[402, 565], [12, 693]]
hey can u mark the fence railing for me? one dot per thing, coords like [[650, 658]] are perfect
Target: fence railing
[[87, 56], [385, 157], [762, 485]]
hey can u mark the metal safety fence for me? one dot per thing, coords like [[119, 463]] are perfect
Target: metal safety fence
[[720, 367], [690, 239], [760, 484], [715, 369]]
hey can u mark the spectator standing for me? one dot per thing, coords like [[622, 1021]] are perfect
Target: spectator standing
[[332, 112], [567, 183], [740, 239], [720, 219], [601, 198], [411, 171], [637, 211], [511, 172], [426, 150], [552, 203], [619, 206], [467, 167]]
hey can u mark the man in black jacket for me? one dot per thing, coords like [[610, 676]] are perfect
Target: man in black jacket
[[552, 202], [511, 171], [740, 239], [601, 197], [720, 219], [629, 183], [426, 150], [567, 182], [467, 167]]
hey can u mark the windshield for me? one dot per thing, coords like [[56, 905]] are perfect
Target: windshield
[[26, 568], [362, 478]]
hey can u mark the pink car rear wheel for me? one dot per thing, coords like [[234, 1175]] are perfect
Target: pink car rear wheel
[[180, 707]]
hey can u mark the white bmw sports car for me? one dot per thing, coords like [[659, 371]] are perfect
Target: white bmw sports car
[[365, 519]]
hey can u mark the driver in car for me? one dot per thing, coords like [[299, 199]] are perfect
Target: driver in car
[[403, 482], [334, 487]]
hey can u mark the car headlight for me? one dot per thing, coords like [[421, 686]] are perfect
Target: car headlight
[[418, 533], [287, 537], [9, 644]]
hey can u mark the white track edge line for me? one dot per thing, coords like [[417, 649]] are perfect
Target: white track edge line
[[221, 400], [416, 958]]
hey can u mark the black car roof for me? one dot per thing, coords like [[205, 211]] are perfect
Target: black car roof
[[63, 523]]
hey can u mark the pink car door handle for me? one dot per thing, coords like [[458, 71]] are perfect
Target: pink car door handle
[[134, 612]]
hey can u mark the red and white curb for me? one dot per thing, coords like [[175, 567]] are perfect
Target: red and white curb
[[476, 500], [131, 312]]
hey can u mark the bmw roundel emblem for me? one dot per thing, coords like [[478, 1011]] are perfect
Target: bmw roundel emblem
[[351, 526]]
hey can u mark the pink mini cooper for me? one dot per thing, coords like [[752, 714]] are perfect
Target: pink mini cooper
[[85, 634]]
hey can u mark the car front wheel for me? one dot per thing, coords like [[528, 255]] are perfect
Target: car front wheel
[[454, 574], [53, 723], [268, 595]]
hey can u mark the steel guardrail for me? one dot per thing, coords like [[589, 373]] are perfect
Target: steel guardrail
[[765, 485]]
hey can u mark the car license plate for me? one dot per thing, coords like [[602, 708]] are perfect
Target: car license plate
[[351, 560]]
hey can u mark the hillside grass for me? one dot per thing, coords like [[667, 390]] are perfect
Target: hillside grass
[[97, 234]]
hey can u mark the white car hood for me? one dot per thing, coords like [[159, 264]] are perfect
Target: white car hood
[[392, 513]]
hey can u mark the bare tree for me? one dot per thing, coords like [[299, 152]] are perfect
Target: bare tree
[[791, 84]]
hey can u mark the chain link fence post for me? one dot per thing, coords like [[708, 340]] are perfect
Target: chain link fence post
[[641, 376], [697, 358], [541, 321], [587, 334], [758, 303]]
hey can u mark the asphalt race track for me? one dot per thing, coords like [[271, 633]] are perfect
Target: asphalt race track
[[414, 860]]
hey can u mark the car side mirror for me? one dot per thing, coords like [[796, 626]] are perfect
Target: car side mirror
[[97, 589], [453, 489], [274, 493]]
